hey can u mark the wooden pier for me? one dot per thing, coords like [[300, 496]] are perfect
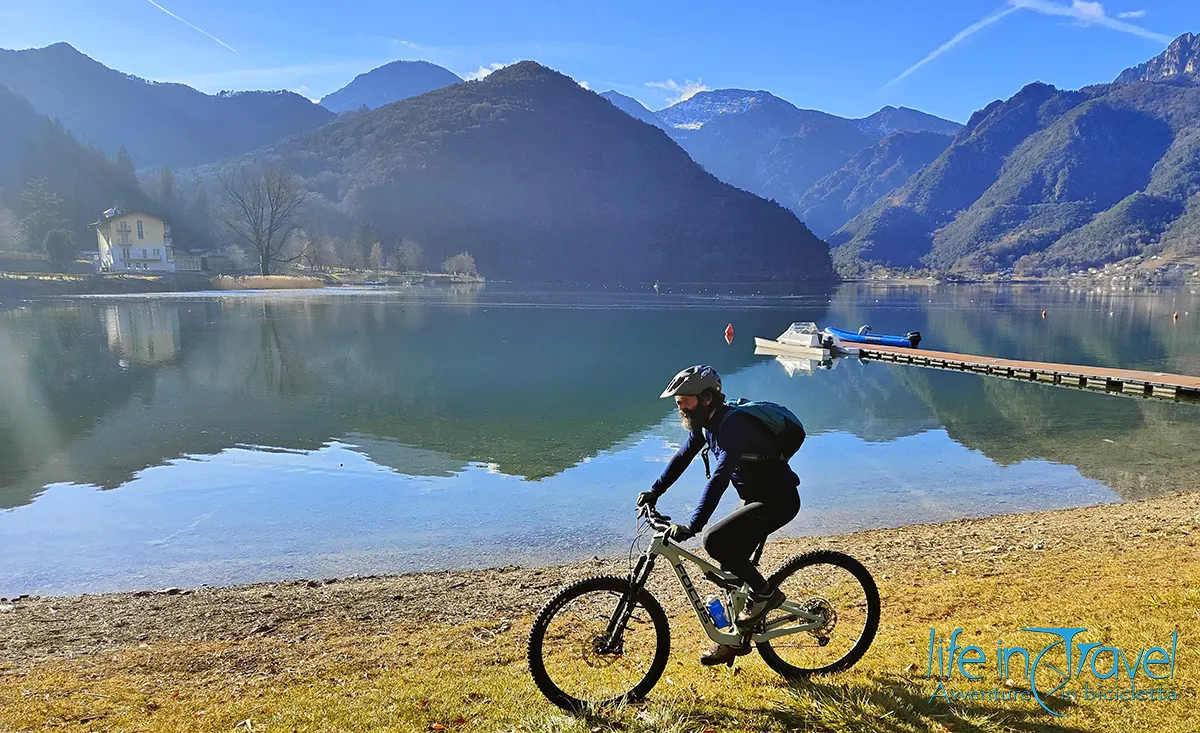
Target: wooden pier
[[1125, 382]]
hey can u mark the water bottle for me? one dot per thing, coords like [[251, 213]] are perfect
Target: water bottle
[[716, 609]]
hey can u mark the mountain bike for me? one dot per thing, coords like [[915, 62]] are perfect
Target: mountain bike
[[606, 639]]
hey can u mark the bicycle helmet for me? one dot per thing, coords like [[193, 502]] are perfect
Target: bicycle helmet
[[693, 381]]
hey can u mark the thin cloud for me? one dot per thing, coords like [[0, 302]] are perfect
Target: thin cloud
[[680, 92], [483, 71], [1089, 13], [193, 26], [958, 38], [1132, 14], [400, 43]]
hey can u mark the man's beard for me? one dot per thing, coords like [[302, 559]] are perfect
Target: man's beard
[[693, 419]]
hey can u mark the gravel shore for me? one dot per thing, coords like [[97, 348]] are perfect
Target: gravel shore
[[34, 629]]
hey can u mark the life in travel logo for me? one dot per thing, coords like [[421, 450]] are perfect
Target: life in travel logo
[[1106, 673]]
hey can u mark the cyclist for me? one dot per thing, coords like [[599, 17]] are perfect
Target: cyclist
[[747, 456]]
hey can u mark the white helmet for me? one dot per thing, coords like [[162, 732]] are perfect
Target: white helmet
[[693, 381]]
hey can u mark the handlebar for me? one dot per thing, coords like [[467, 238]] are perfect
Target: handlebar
[[660, 522]]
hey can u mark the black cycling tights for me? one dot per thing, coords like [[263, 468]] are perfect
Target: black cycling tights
[[732, 540]]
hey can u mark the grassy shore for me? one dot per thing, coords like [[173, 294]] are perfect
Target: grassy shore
[[445, 651], [36, 285]]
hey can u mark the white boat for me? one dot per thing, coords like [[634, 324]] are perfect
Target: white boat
[[803, 367], [802, 333], [801, 340], [804, 340]]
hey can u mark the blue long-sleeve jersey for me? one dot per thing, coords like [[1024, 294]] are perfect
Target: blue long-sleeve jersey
[[729, 440]]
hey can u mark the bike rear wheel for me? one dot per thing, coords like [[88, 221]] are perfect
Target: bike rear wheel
[[841, 591], [571, 655]]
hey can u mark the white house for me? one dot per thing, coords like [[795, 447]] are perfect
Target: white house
[[134, 242]]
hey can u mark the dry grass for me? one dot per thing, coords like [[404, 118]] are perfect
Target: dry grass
[[266, 282], [358, 277], [41, 277], [1135, 584]]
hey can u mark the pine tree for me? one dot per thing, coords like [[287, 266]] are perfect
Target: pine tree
[[165, 193], [124, 163], [199, 216], [60, 248], [41, 212]]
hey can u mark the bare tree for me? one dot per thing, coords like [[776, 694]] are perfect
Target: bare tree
[[345, 253], [11, 236], [364, 237], [264, 210], [376, 258], [310, 253], [408, 255], [316, 249], [460, 264]]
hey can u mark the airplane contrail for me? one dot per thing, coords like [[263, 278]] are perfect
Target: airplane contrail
[[193, 26], [957, 39]]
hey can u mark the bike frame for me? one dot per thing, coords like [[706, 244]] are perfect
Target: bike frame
[[738, 592]]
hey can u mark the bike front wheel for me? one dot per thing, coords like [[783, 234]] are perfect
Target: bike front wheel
[[577, 656], [840, 592]]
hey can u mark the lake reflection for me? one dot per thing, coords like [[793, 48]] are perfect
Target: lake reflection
[[225, 438]]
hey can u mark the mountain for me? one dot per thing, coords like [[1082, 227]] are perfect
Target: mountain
[[631, 107], [761, 143], [36, 149], [159, 124], [821, 145], [823, 167], [704, 107], [389, 83], [891, 119], [870, 174], [1180, 62], [24, 130], [542, 180], [1048, 182]]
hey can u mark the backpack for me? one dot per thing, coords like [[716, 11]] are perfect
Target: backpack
[[784, 425]]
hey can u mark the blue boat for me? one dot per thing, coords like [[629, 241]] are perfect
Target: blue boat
[[910, 340]]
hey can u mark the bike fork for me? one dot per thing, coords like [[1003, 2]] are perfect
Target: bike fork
[[616, 625]]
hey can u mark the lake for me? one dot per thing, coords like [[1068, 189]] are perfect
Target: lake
[[222, 438]]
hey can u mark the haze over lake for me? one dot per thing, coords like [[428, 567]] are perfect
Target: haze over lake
[[222, 438]]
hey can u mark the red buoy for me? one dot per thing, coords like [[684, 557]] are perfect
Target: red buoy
[[1043, 315], [729, 334], [1175, 317]]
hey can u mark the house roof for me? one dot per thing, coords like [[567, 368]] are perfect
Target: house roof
[[115, 213]]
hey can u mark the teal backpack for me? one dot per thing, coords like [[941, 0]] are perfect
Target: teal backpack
[[785, 426]]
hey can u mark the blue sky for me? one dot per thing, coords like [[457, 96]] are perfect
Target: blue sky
[[947, 57]]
